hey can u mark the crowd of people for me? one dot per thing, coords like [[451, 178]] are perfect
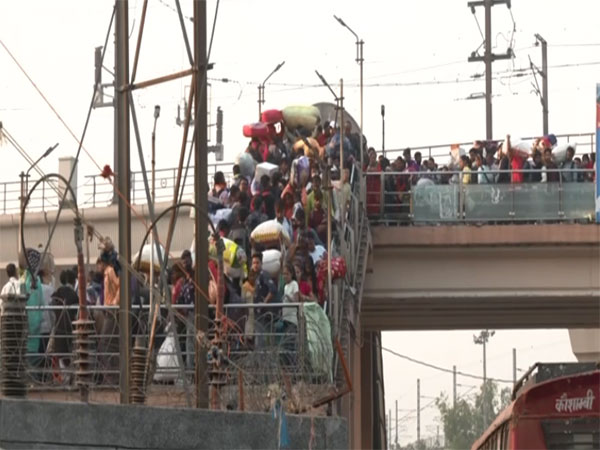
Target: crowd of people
[[272, 215], [538, 161]]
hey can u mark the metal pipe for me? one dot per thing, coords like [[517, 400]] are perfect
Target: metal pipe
[[488, 70], [342, 207], [139, 41], [361, 61], [176, 197], [201, 199], [329, 219], [155, 81], [122, 108]]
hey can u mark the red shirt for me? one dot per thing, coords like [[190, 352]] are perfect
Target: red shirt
[[516, 163]]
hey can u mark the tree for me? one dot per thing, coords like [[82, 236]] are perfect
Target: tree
[[464, 423]]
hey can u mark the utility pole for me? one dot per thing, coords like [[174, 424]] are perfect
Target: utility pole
[[514, 366], [482, 339], [544, 73], [396, 440], [382, 130], [488, 58], [122, 114], [100, 103], [418, 410], [201, 200], [453, 386], [389, 427]]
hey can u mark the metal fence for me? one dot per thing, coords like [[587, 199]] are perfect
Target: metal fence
[[460, 197], [586, 143], [97, 191], [264, 353]]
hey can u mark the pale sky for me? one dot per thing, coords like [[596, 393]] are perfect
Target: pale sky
[[406, 43]]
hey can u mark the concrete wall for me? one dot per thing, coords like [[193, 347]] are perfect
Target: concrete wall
[[26, 424], [104, 219]]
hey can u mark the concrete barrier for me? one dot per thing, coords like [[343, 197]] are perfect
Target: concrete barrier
[[26, 424]]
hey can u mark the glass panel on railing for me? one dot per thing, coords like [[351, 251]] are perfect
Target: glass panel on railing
[[578, 200], [488, 202], [436, 203], [536, 201]]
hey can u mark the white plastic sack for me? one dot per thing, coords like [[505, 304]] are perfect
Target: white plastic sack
[[167, 365], [265, 168], [247, 164], [559, 153], [271, 262], [455, 153], [523, 149], [270, 233], [220, 214]]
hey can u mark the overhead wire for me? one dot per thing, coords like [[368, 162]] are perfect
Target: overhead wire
[[442, 369]]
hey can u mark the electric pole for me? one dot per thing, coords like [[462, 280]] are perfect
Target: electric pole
[[122, 135], [453, 386], [389, 427], [396, 440], [514, 366], [482, 339], [544, 74], [383, 130], [488, 58], [418, 410], [201, 200]]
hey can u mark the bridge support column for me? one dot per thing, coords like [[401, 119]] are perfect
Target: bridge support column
[[365, 403]]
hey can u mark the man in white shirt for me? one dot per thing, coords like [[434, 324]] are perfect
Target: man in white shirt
[[12, 286], [316, 251]]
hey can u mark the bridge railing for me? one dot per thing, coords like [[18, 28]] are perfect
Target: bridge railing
[[586, 143], [460, 197], [96, 191]]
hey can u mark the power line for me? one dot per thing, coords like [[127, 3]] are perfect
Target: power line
[[442, 369]]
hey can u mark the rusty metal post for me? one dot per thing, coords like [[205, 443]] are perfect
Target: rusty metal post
[[124, 186], [201, 199]]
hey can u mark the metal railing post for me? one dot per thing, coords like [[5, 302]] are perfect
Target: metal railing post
[[461, 197], [133, 187], [4, 202], [381, 195], [561, 212], [512, 196], [411, 199]]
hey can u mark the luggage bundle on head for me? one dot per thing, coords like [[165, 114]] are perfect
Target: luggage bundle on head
[[300, 171], [256, 130], [523, 148], [309, 147], [148, 256], [306, 117], [270, 234], [271, 262], [456, 151], [265, 168], [559, 153], [247, 165], [271, 116]]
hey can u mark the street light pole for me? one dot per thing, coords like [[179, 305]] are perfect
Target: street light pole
[[261, 89], [482, 339], [360, 60], [24, 186], [153, 196]]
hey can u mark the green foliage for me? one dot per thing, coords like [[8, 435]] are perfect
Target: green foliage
[[464, 422]]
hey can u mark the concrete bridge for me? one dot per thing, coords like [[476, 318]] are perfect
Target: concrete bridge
[[418, 277]]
